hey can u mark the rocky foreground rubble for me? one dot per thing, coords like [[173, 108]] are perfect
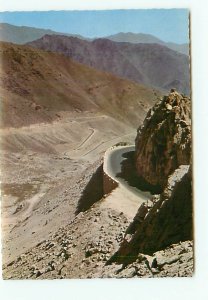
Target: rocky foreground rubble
[[83, 248], [164, 221], [78, 250]]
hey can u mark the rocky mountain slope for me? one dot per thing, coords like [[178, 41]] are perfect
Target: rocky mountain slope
[[167, 218], [163, 142], [24, 34], [74, 252], [92, 240], [149, 64], [137, 38], [43, 87], [58, 118]]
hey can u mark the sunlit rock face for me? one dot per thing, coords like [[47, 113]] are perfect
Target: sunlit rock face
[[163, 142]]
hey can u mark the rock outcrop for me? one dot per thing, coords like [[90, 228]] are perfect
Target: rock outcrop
[[176, 260], [164, 221], [163, 154], [163, 142]]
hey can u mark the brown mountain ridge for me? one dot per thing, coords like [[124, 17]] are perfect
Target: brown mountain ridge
[[38, 86], [153, 65]]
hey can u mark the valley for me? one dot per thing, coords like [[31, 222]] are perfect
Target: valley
[[56, 126], [47, 156]]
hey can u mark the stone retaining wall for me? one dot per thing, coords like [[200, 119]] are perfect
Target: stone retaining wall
[[109, 184]]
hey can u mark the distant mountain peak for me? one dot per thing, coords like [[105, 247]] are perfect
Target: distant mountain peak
[[24, 34], [137, 38]]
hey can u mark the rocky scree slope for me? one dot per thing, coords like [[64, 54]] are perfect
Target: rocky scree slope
[[165, 220], [148, 64], [81, 249]]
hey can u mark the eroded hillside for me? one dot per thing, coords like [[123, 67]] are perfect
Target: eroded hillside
[[148, 64], [38, 86], [58, 118]]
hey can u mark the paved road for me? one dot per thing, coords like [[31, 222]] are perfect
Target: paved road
[[114, 158]]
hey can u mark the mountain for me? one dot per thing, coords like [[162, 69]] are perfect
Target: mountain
[[37, 85], [137, 38], [153, 65], [134, 38], [23, 34], [182, 48]]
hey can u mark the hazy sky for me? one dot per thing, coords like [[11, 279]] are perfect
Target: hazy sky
[[166, 24]]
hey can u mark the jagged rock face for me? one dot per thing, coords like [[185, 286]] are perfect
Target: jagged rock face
[[165, 221], [163, 142], [169, 221]]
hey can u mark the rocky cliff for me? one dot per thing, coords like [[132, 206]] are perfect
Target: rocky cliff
[[163, 142], [165, 220], [163, 153]]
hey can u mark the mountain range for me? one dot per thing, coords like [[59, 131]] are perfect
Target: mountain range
[[25, 34], [152, 65]]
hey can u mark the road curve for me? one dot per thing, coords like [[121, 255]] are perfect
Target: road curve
[[112, 166]]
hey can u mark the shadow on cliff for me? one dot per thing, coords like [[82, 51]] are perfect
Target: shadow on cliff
[[93, 191], [129, 174], [168, 222]]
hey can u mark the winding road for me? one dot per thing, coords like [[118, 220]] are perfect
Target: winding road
[[92, 131], [124, 198]]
